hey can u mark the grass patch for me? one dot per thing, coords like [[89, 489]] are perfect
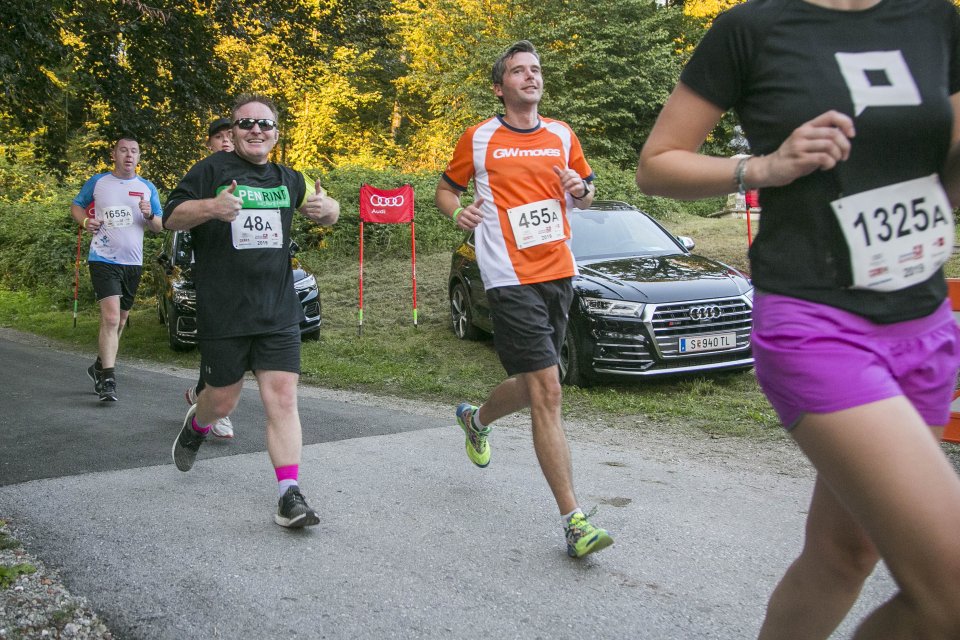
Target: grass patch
[[10, 573], [394, 357]]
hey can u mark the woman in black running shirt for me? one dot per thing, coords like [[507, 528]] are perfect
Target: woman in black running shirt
[[851, 109]]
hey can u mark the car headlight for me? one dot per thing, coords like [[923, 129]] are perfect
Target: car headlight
[[604, 307], [305, 284], [181, 296]]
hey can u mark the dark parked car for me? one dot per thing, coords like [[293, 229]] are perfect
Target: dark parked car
[[177, 298], [643, 304]]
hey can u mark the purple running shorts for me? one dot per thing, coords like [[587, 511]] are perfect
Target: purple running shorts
[[812, 358]]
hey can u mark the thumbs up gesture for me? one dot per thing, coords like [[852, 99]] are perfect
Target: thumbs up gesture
[[320, 207], [145, 207], [226, 205]]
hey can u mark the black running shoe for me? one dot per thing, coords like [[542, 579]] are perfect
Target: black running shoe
[[94, 374], [188, 442], [293, 512], [108, 390]]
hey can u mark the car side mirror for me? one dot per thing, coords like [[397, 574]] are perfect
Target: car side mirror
[[687, 242]]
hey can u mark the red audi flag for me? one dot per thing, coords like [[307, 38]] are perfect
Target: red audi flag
[[386, 206]]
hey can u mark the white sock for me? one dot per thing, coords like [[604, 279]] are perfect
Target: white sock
[[286, 484], [566, 517], [475, 419]]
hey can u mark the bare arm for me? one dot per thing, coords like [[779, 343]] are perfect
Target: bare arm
[[447, 200], [671, 166], [189, 213], [79, 214], [570, 181]]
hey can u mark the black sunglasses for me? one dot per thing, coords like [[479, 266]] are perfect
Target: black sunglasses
[[246, 124]]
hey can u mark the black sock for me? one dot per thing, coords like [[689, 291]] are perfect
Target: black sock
[[107, 373], [98, 366]]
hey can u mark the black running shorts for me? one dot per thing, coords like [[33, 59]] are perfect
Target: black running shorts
[[223, 361], [116, 280], [529, 323]]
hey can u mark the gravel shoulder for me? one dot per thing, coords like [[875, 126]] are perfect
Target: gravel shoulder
[[34, 603]]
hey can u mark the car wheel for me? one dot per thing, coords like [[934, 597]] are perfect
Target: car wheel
[[572, 370], [461, 315], [175, 343]]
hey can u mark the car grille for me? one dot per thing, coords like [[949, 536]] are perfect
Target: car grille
[[670, 322], [312, 310], [625, 346]]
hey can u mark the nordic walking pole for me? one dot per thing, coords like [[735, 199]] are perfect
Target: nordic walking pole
[[76, 278]]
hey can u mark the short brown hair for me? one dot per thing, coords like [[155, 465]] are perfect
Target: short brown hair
[[247, 98]]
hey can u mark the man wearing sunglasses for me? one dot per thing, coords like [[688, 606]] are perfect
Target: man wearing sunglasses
[[239, 207]]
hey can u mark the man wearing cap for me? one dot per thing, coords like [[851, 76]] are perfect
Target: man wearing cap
[[219, 136]]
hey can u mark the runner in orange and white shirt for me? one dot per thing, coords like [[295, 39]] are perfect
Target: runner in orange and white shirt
[[527, 172]]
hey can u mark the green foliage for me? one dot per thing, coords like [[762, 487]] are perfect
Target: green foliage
[[10, 573], [609, 65], [434, 232]]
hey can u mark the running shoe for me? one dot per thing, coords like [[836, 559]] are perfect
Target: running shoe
[[222, 428], [293, 511], [188, 442], [583, 538], [94, 374], [476, 444], [108, 390]]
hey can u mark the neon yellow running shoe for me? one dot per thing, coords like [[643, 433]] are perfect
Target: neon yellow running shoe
[[583, 537], [477, 448]]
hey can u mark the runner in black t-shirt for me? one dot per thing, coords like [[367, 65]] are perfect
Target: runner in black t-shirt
[[239, 207], [219, 138], [852, 107]]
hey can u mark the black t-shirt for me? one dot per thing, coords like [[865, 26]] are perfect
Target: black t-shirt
[[774, 63], [243, 292]]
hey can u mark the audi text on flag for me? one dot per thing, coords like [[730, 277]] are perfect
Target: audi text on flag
[[387, 206]]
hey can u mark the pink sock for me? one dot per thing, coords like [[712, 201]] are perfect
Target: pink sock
[[201, 430], [287, 477]]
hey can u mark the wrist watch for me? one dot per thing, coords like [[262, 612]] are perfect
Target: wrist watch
[[586, 190], [150, 217]]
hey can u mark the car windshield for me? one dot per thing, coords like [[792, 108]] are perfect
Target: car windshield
[[610, 234]]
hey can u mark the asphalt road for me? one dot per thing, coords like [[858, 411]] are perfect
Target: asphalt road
[[415, 542]]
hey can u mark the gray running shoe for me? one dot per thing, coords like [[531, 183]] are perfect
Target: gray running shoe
[[293, 512], [188, 442], [108, 390], [94, 375]]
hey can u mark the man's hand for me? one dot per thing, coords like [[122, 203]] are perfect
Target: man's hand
[[145, 208], [321, 208], [571, 182], [226, 206], [471, 216]]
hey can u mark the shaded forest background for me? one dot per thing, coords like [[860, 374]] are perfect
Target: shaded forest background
[[364, 83], [371, 91]]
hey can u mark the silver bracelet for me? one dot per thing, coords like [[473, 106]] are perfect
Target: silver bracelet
[[739, 174]]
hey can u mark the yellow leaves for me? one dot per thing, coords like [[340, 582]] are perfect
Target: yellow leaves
[[707, 8]]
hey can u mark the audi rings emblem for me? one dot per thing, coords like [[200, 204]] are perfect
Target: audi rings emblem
[[710, 312], [384, 201]]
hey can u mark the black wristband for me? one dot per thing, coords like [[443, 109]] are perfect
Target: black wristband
[[586, 191]]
